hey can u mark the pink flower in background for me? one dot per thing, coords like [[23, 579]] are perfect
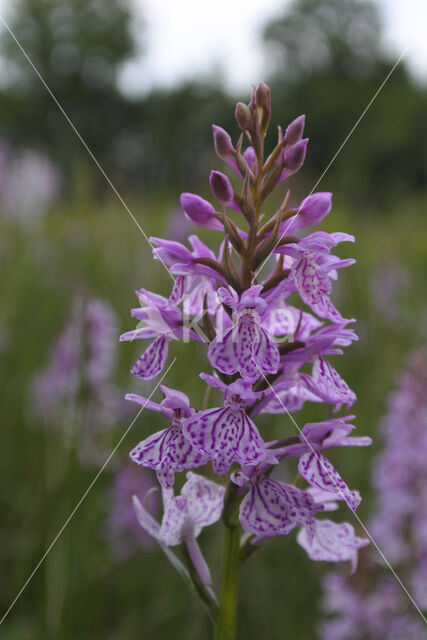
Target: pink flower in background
[[376, 608], [389, 284], [75, 392], [122, 527], [29, 183]]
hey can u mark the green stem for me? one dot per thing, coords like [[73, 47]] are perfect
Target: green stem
[[226, 625]]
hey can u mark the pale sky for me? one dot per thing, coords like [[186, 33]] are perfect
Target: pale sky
[[188, 38], [185, 39]]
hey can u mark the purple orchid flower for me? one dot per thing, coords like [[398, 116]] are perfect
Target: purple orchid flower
[[167, 451], [163, 322], [314, 467], [313, 268], [293, 158], [268, 356], [311, 211], [327, 384], [224, 147], [332, 542], [182, 261], [286, 395], [272, 508], [245, 347], [324, 435], [199, 505], [227, 434], [324, 342], [200, 211]]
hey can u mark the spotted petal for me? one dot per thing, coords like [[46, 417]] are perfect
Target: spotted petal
[[178, 290], [204, 500], [246, 348], [328, 384], [291, 397], [152, 361], [332, 542], [174, 521], [168, 452], [311, 282], [271, 508], [199, 505], [319, 472], [325, 308], [225, 435]]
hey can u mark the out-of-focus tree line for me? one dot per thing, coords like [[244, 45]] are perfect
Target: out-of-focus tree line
[[324, 59]]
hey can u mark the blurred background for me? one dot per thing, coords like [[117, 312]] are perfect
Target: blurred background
[[142, 82]]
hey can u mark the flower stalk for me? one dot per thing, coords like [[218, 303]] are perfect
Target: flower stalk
[[225, 628]]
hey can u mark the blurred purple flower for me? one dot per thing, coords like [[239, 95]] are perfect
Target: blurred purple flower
[[379, 609], [75, 391], [122, 528], [388, 284], [29, 182]]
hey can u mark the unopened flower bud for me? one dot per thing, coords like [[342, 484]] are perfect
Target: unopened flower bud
[[222, 141], [250, 157], [263, 101], [252, 103], [295, 130], [199, 211], [221, 187], [312, 210], [263, 96], [224, 147], [243, 116], [295, 156]]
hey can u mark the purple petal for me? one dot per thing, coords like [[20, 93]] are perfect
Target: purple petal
[[170, 251], [199, 211], [199, 505], [312, 210], [246, 348], [174, 521], [325, 309], [225, 436], [311, 282], [327, 383], [292, 398], [332, 542], [178, 290], [272, 508], [229, 297], [224, 147], [216, 383], [205, 500], [295, 130], [144, 402], [146, 521], [168, 452], [221, 187], [250, 157], [319, 472], [152, 361]]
